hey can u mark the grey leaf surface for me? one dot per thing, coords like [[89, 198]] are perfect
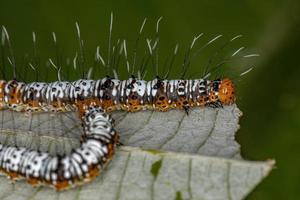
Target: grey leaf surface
[[167, 155], [205, 131]]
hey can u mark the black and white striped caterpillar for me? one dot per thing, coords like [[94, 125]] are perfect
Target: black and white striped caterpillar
[[93, 99], [81, 165]]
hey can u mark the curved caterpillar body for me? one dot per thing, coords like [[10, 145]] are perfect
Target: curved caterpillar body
[[93, 99], [81, 165]]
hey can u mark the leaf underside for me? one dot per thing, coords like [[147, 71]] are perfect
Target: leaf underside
[[164, 155]]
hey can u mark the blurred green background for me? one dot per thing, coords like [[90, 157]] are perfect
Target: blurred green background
[[268, 96]]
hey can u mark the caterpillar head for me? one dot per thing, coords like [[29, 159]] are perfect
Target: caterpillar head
[[226, 92]]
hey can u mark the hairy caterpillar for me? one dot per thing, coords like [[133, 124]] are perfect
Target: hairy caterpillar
[[99, 137], [93, 100]]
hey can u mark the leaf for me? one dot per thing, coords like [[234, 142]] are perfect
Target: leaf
[[172, 155], [205, 131]]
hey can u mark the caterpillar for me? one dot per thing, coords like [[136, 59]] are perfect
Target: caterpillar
[[94, 100], [81, 165]]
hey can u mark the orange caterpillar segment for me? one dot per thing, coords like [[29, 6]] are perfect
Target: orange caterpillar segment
[[226, 92], [2, 94], [201, 101], [13, 95], [161, 103], [108, 105]]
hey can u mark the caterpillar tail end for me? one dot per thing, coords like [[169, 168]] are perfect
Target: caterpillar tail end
[[2, 94]]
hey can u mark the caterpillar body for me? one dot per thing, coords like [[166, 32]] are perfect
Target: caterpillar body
[[94, 99]]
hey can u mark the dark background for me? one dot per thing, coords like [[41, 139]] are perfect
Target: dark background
[[268, 96]]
